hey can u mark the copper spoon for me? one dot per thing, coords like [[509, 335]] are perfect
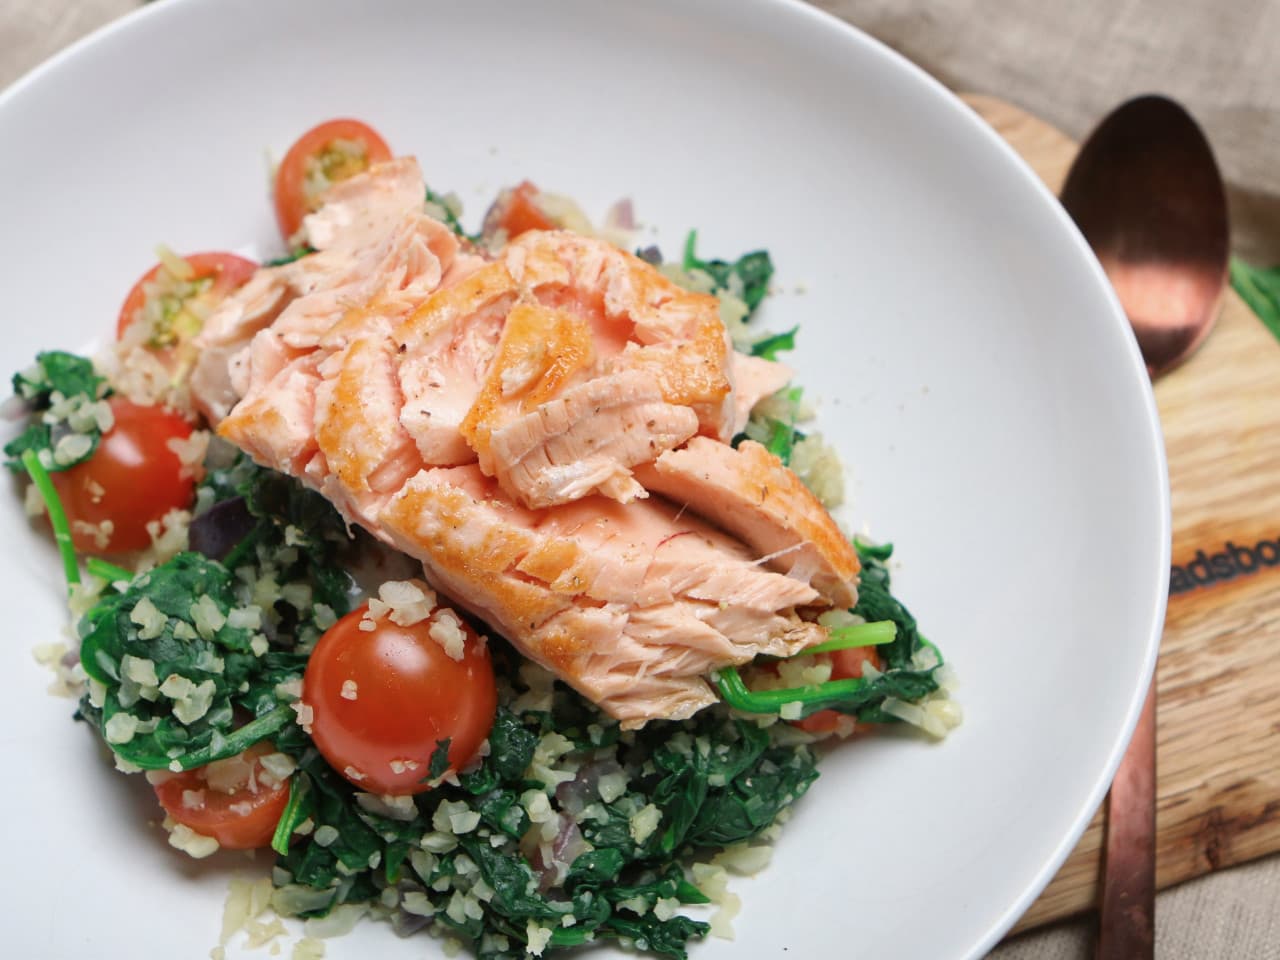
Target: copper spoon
[[1147, 195]]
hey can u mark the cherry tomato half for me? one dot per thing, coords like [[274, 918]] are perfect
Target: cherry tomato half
[[325, 154], [383, 699], [132, 479], [235, 801], [226, 271], [516, 211], [845, 665]]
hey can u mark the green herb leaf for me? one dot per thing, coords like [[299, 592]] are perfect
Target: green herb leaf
[[778, 434], [174, 668], [769, 347], [667, 938], [291, 256], [58, 388], [595, 867], [714, 779], [60, 372], [345, 865], [511, 745], [876, 602], [298, 537], [783, 437], [679, 795], [177, 620], [448, 216], [439, 762], [745, 807], [512, 880], [747, 277], [1260, 289]]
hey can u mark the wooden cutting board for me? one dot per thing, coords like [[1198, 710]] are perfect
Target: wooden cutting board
[[1218, 721]]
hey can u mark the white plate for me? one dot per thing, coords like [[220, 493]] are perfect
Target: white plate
[[972, 365]]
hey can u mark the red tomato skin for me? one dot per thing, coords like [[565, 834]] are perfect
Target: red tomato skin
[[290, 194], [131, 479], [228, 270], [520, 213], [241, 829], [406, 695]]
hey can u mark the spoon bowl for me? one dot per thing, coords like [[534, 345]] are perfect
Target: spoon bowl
[[1146, 193]]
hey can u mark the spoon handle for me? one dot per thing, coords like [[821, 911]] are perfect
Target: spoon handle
[[1127, 915]]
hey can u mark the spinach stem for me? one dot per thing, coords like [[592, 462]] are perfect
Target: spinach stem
[[857, 635], [240, 740], [735, 693], [107, 571], [57, 516], [690, 258], [299, 788], [246, 544]]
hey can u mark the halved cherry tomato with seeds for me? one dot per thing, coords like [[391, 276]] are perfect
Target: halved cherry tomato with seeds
[[324, 155], [236, 801], [164, 297], [383, 700], [133, 478]]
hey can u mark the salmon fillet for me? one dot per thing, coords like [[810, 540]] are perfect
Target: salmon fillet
[[546, 431], [630, 604]]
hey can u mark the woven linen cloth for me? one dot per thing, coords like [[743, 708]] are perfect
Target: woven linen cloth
[[1069, 63]]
